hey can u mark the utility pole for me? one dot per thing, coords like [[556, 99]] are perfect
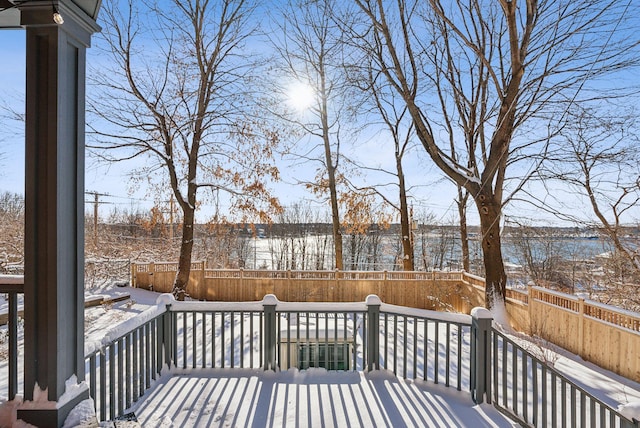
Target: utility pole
[[95, 202], [163, 210], [95, 219]]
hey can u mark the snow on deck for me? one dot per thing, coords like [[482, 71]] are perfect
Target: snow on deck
[[309, 398]]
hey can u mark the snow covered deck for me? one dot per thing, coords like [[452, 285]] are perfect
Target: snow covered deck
[[255, 398], [202, 364]]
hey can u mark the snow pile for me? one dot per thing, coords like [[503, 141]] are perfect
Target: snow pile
[[630, 411], [40, 399], [82, 415], [110, 333], [500, 315], [8, 412], [72, 389], [41, 396]]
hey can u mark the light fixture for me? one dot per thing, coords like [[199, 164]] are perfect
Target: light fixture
[[57, 18]]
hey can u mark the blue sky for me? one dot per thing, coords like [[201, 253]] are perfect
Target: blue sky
[[12, 83], [434, 194], [112, 179]]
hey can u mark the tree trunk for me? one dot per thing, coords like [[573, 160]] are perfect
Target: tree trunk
[[184, 262], [354, 250], [464, 235], [331, 165], [495, 276], [405, 221], [335, 217], [333, 191], [423, 251]]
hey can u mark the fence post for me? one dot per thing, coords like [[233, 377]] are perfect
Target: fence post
[[152, 271], [385, 285], [269, 303], [481, 355], [530, 302], [133, 274], [581, 327], [201, 287], [373, 303]]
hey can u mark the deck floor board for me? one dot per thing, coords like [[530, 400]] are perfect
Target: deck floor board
[[314, 398]]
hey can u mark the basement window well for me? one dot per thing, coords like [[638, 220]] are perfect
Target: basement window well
[[331, 356], [317, 341]]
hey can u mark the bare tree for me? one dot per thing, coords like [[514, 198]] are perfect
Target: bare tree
[[384, 110], [12, 119], [375, 250], [363, 213], [381, 102], [311, 50], [424, 221], [442, 246], [291, 249], [474, 74], [175, 97], [598, 159], [12, 231], [223, 245], [540, 254]]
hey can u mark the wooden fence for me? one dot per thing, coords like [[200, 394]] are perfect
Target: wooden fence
[[602, 334], [423, 290]]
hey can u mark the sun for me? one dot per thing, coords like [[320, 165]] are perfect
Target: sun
[[300, 96]]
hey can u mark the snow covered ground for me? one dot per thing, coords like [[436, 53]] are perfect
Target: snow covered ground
[[312, 397], [308, 398]]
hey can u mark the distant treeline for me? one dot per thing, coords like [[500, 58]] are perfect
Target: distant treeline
[[279, 230]]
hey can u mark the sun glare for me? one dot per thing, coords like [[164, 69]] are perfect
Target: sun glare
[[301, 96]]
